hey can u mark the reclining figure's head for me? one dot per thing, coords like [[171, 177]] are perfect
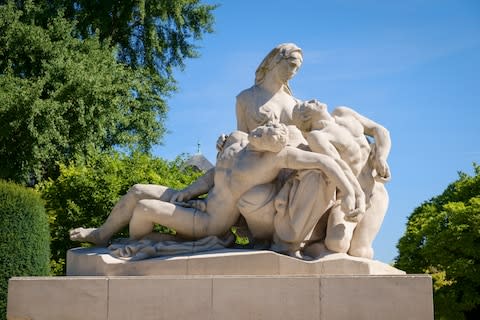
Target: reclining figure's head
[[305, 113], [271, 137]]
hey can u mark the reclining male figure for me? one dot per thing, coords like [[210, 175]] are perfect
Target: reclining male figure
[[245, 161]]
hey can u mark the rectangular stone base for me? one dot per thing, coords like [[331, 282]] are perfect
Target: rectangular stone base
[[221, 297]]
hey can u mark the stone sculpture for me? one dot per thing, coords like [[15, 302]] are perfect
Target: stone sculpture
[[342, 136], [245, 162], [270, 99], [305, 181]]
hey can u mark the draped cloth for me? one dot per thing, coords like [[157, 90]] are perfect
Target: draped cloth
[[299, 205], [133, 250]]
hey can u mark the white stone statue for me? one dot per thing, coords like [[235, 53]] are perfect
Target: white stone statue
[[246, 161], [270, 99], [305, 181], [342, 136]]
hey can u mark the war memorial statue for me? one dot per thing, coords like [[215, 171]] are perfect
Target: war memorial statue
[[307, 186], [305, 182]]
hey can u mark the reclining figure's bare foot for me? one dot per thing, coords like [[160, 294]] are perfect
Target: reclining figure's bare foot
[[88, 235]]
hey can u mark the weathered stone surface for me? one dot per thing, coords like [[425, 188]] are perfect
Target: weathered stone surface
[[97, 261], [222, 297], [49, 298]]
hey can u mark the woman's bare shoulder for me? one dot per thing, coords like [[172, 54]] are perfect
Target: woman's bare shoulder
[[246, 94]]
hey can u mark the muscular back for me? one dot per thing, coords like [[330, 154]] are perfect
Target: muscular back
[[344, 139]]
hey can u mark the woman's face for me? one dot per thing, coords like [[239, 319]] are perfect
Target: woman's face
[[288, 67]]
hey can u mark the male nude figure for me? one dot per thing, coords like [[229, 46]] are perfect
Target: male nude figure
[[342, 136], [245, 161]]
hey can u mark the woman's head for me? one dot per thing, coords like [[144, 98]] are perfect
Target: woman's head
[[286, 53]]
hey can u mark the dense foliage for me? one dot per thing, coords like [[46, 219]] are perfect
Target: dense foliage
[[24, 236], [77, 75], [155, 34], [80, 79], [86, 191], [443, 239]]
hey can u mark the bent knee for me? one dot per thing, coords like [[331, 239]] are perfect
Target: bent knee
[[362, 252], [337, 245], [138, 188]]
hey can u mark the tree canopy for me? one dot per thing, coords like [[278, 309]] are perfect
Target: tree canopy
[[155, 34], [80, 75], [443, 239]]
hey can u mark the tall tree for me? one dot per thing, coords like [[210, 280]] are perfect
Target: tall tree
[[68, 86], [156, 34], [443, 239]]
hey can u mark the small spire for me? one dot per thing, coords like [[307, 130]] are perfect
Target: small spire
[[198, 147]]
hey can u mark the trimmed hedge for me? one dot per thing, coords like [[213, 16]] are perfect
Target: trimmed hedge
[[24, 237]]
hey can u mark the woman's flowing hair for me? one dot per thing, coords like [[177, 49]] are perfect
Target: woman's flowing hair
[[282, 51]]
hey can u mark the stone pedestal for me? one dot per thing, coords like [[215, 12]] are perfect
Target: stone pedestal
[[228, 284], [221, 297], [97, 261]]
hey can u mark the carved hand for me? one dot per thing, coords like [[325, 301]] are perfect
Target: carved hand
[[353, 206], [347, 202], [198, 204], [221, 142], [181, 196], [354, 216], [381, 166]]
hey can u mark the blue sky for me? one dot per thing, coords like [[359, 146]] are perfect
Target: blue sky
[[412, 66]]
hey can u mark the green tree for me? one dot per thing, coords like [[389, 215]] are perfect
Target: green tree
[[156, 34], [86, 190], [72, 80], [443, 239]]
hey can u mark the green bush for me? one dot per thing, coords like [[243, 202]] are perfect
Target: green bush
[[86, 191], [443, 240], [24, 236]]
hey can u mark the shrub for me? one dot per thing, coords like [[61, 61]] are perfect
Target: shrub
[[24, 236], [86, 191]]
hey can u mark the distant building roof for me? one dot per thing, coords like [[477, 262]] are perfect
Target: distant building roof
[[199, 162]]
